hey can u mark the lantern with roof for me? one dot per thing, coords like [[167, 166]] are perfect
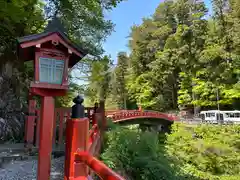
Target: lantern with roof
[[53, 54]]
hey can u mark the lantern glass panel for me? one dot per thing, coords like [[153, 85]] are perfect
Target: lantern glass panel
[[51, 70]]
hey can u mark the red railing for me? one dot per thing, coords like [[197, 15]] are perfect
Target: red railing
[[111, 112], [62, 114], [32, 124], [82, 148], [97, 166], [130, 114], [82, 145], [92, 133]]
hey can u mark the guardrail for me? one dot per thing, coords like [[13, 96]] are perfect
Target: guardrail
[[83, 147], [97, 166], [129, 114], [32, 123]]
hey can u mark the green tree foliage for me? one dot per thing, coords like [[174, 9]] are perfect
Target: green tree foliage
[[84, 20], [180, 57], [67, 100], [98, 79], [189, 152], [18, 18], [120, 80], [136, 155], [205, 151]]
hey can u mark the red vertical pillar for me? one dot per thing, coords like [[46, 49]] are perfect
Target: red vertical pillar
[[54, 127], [68, 114], [45, 140], [140, 108], [38, 119], [76, 140], [81, 170], [29, 124], [60, 132]]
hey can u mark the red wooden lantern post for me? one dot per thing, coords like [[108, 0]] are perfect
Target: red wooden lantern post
[[53, 54]]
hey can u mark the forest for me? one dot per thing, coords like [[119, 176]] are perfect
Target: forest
[[180, 57], [203, 152], [183, 56], [82, 21]]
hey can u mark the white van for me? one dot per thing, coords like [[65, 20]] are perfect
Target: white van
[[232, 116], [216, 116]]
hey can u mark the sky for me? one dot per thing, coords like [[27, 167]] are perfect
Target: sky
[[126, 14]]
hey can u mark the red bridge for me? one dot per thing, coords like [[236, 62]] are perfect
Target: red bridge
[[125, 115], [82, 143]]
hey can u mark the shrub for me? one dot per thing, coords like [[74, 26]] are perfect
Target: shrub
[[206, 151], [136, 155], [196, 153]]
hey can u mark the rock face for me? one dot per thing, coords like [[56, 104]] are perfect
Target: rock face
[[13, 96]]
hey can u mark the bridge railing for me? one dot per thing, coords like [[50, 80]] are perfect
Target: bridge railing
[[128, 114], [111, 112], [83, 147], [97, 166], [32, 124]]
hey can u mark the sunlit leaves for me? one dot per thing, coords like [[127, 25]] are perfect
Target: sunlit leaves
[[99, 79], [137, 155], [206, 151], [18, 18], [84, 20]]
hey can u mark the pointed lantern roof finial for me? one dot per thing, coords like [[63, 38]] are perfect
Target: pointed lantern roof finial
[[55, 24]]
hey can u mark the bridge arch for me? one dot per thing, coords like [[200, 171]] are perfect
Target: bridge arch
[[129, 115], [142, 117]]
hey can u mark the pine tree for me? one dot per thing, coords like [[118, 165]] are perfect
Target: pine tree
[[120, 80]]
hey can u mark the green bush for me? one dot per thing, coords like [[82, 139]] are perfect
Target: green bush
[[206, 151], [195, 153], [136, 155]]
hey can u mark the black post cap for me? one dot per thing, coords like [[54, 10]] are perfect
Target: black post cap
[[78, 108], [95, 107]]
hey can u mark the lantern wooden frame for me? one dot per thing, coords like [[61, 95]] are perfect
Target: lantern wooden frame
[[54, 45]]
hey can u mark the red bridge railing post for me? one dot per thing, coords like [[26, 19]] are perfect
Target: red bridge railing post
[[29, 124], [76, 140]]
